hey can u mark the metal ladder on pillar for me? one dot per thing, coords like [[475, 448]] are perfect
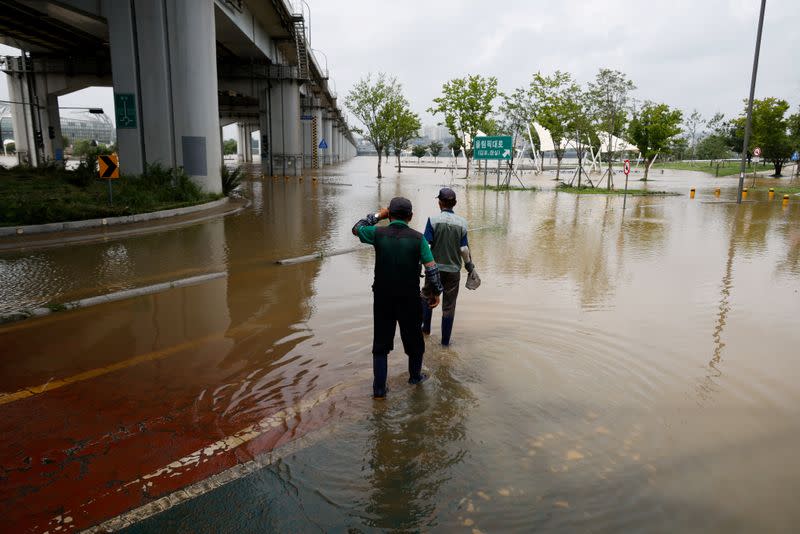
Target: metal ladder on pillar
[[302, 48]]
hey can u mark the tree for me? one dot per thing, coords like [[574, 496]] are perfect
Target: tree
[[455, 146], [515, 113], [229, 147], [609, 100], [770, 132], [693, 122], [419, 151], [678, 147], [794, 136], [366, 101], [435, 147], [466, 104], [81, 147], [552, 106], [713, 147], [652, 129], [402, 124], [64, 141]]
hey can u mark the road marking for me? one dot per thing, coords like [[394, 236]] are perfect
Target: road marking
[[100, 371]]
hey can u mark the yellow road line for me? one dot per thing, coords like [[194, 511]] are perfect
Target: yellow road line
[[100, 371]]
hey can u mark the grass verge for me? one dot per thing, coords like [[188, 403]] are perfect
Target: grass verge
[[588, 190], [52, 194], [779, 190], [722, 168]]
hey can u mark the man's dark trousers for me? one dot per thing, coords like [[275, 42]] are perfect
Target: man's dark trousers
[[450, 282], [389, 311]]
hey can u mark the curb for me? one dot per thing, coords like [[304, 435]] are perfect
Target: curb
[[110, 297], [109, 221]]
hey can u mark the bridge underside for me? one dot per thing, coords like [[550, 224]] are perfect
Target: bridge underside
[[155, 54]]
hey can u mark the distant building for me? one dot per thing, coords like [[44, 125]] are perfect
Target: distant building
[[436, 133], [75, 124], [78, 124]]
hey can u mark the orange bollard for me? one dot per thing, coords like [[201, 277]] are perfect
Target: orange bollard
[[717, 192], [744, 193], [785, 200], [771, 193], [691, 193]]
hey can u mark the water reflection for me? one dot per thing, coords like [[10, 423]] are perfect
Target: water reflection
[[414, 448]]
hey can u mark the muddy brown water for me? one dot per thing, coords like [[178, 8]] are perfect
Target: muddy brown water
[[614, 372]]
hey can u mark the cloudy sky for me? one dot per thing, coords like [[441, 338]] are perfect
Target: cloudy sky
[[687, 53]]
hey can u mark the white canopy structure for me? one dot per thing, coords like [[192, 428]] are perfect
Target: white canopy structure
[[617, 144], [545, 139]]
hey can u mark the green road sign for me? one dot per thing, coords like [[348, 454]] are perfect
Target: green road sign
[[125, 108], [494, 147]]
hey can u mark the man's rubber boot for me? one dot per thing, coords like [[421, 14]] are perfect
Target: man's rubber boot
[[447, 329], [380, 368], [427, 315], [415, 375]]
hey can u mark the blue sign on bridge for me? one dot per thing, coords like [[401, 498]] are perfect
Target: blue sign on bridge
[[323, 144], [796, 156]]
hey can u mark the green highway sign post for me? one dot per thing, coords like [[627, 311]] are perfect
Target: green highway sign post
[[125, 110], [492, 147], [496, 147]]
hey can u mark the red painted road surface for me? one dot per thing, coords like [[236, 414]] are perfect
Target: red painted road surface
[[87, 451]]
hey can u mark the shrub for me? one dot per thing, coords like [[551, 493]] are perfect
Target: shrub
[[231, 179]]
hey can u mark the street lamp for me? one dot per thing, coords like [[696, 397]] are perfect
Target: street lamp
[[749, 121]]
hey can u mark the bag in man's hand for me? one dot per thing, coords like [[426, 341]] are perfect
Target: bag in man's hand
[[473, 280]]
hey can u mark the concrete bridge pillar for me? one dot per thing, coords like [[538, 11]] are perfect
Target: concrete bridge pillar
[[244, 143], [306, 135], [328, 136], [335, 144], [23, 118], [166, 86], [281, 147]]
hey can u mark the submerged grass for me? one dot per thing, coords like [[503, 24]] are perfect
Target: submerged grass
[[779, 190], [588, 190], [502, 188], [52, 194]]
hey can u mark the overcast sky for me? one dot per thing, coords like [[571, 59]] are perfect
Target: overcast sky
[[686, 53]]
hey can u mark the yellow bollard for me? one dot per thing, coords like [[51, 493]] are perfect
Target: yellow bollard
[[771, 193], [785, 200], [744, 193], [691, 193], [717, 192]]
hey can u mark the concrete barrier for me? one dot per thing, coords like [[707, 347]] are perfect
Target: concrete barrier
[[108, 221]]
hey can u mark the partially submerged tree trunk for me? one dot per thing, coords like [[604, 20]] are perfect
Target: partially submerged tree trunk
[[468, 160], [379, 162], [558, 167], [399, 165], [646, 169], [778, 167]]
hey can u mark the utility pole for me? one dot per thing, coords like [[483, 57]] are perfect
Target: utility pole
[[749, 120]]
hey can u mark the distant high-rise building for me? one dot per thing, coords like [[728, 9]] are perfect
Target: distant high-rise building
[[436, 133]]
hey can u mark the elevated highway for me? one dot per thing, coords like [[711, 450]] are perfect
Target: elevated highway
[[180, 70]]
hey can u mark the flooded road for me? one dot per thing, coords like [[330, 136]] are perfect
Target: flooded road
[[614, 372]]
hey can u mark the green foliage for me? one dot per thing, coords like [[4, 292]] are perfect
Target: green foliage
[[436, 148], [418, 151], [678, 147], [466, 104], [771, 131], [713, 147], [402, 124], [455, 146], [693, 123], [231, 179], [366, 101], [229, 147], [11, 148], [608, 100], [51, 193], [653, 129], [65, 141]]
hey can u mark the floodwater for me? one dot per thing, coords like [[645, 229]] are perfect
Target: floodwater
[[615, 371]]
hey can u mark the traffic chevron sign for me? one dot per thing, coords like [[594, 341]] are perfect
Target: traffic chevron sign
[[108, 166]]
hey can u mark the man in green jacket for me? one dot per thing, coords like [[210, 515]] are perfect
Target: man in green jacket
[[399, 252]]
